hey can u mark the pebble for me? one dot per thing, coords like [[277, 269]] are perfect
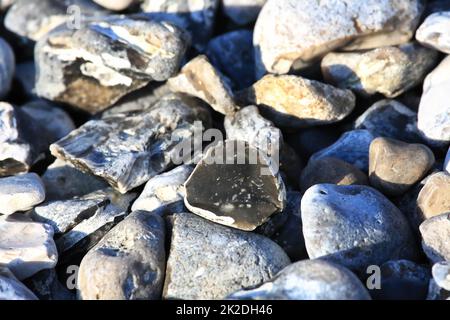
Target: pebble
[[395, 166], [390, 71], [7, 67], [441, 274], [242, 12], [209, 261], [26, 247], [288, 31], [13, 289], [115, 5], [46, 286], [435, 237], [128, 263], [433, 32], [20, 193], [434, 198], [293, 101], [331, 171], [241, 193], [435, 292], [309, 280], [355, 226]]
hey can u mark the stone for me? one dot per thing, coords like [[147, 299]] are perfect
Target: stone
[[395, 166], [26, 75], [92, 67], [242, 12], [20, 193], [26, 247], [127, 151], [433, 32], [5, 4], [244, 188], [434, 198], [391, 119], [7, 67], [293, 101], [13, 289], [46, 286], [288, 32], [434, 114], [352, 147], [308, 141], [390, 71], [309, 280], [441, 274], [200, 79], [128, 263], [331, 171], [436, 237], [355, 226], [435, 292], [164, 189], [220, 260], [115, 5], [232, 54]]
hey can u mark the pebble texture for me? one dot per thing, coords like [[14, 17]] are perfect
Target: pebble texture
[[434, 31], [435, 237]]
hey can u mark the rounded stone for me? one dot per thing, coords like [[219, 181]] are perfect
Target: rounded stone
[[441, 274], [434, 198], [434, 31], [436, 237], [7, 67]]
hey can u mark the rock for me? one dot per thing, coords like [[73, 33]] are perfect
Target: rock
[[197, 17], [433, 32], [163, 190], [129, 150], [434, 198], [355, 226], [242, 12], [391, 119], [434, 115], [25, 75], [395, 166], [20, 193], [437, 293], [26, 247], [352, 147], [91, 68], [309, 280], [5, 4], [13, 289], [7, 67], [200, 79], [128, 263], [308, 141], [390, 71], [435, 237], [244, 188], [220, 260], [291, 31], [232, 54], [46, 286], [441, 274], [115, 5], [293, 101]]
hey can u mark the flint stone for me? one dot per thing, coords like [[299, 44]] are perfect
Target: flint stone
[[433, 32], [221, 260], [115, 5], [127, 151], [435, 238], [434, 198], [128, 263], [7, 67], [242, 12], [20, 193], [390, 71], [309, 280], [240, 194], [13, 289], [26, 247], [441, 274], [288, 31], [46, 286], [355, 226]]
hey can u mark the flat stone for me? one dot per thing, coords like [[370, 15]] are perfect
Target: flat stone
[[26, 247], [128, 263], [395, 166], [436, 237], [434, 198], [20, 193], [127, 151], [309, 280], [46, 286], [200, 79], [291, 31], [390, 71], [299, 102], [115, 5], [242, 12], [433, 32], [441, 274], [243, 188], [352, 147], [220, 260], [7, 67], [355, 226], [13, 289]]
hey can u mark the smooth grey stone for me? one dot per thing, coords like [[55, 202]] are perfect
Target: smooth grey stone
[[127, 151], [7, 67], [441, 274], [355, 226], [309, 280], [13, 289], [433, 32], [209, 261], [435, 236], [128, 263], [242, 12], [46, 286]]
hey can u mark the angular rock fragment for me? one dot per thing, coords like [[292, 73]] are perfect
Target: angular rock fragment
[[390, 71], [7, 67], [116, 5], [293, 101], [46, 286], [435, 238], [209, 261], [434, 31], [309, 280], [434, 198], [242, 12], [441, 274], [243, 187], [13, 289], [128, 263], [127, 151]]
